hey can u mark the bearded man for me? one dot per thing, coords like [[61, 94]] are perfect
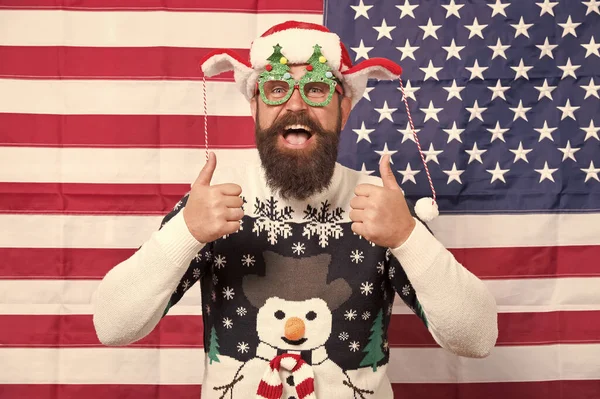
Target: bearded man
[[299, 259]]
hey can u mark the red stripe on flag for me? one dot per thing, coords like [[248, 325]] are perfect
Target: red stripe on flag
[[70, 263], [524, 262], [92, 199], [579, 389], [131, 63], [584, 389], [129, 131], [59, 263], [574, 327], [544, 328], [91, 391], [249, 6], [78, 331]]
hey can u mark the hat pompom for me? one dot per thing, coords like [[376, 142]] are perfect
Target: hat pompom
[[426, 209]]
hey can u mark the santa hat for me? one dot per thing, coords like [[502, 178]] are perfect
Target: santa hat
[[297, 41]]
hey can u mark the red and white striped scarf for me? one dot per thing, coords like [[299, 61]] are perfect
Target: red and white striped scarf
[[271, 387]]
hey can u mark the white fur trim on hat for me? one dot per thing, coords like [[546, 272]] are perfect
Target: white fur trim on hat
[[297, 45]]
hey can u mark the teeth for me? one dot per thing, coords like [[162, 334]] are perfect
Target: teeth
[[289, 127]]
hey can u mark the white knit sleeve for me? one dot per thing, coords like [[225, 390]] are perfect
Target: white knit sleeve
[[460, 310], [132, 297]]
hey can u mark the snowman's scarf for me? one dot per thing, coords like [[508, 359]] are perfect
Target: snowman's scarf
[[271, 387]]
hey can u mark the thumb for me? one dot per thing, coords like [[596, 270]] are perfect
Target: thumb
[[207, 171], [385, 170]]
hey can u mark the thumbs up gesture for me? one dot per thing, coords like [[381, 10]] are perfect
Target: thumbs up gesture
[[212, 211], [380, 214]]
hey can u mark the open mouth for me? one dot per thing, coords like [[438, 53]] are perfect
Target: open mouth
[[296, 136], [297, 342]]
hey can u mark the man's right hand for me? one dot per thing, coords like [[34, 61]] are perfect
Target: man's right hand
[[212, 211]]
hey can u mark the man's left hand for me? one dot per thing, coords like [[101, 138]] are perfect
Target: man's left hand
[[380, 214]]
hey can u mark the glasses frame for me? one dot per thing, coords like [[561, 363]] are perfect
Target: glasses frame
[[334, 84]]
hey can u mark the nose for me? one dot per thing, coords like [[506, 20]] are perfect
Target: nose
[[296, 103], [294, 329]]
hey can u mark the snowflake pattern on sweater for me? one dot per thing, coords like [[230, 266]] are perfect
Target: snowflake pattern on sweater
[[296, 281]]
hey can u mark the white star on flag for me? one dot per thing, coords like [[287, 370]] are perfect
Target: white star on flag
[[476, 70], [430, 29], [475, 154], [545, 132], [454, 90], [431, 71], [521, 153], [363, 133], [497, 173], [432, 154], [497, 132], [568, 110], [453, 8], [431, 112], [364, 170], [407, 50], [520, 111], [409, 90], [498, 8], [384, 30], [361, 10], [569, 27], [546, 49], [569, 69], [385, 112], [408, 174], [521, 28], [498, 90], [453, 174], [407, 9], [361, 51], [592, 6], [407, 134], [568, 151], [545, 90], [521, 70], [385, 152], [546, 172], [591, 48], [591, 131], [454, 133], [475, 29], [547, 7], [476, 111], [591, 89], [453, 50], [499, 49], [591, 172]]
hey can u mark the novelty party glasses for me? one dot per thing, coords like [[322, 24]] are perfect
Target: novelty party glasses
[[315, 91]]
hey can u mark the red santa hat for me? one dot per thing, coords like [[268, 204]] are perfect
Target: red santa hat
[[297, 41]]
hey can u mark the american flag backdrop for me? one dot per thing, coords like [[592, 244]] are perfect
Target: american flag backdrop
[[101, 133]]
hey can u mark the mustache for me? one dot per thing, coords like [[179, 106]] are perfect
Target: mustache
[[296, 118]]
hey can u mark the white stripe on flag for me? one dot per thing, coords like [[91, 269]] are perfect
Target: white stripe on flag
[[75, 231], [138, 28], [186, 366], [522, 295], [121, 97], [115, 165]]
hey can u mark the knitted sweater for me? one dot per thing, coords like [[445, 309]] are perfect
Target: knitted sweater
[[296, 280]]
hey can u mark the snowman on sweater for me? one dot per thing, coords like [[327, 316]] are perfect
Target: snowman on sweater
[[294, 322]]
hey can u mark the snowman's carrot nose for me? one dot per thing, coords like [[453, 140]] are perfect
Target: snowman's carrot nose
[[294, 329]]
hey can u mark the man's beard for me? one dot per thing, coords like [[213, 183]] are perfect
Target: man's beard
[[298, 173]]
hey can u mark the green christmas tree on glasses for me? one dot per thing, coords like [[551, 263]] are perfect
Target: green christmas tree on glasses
[[316, 86]]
